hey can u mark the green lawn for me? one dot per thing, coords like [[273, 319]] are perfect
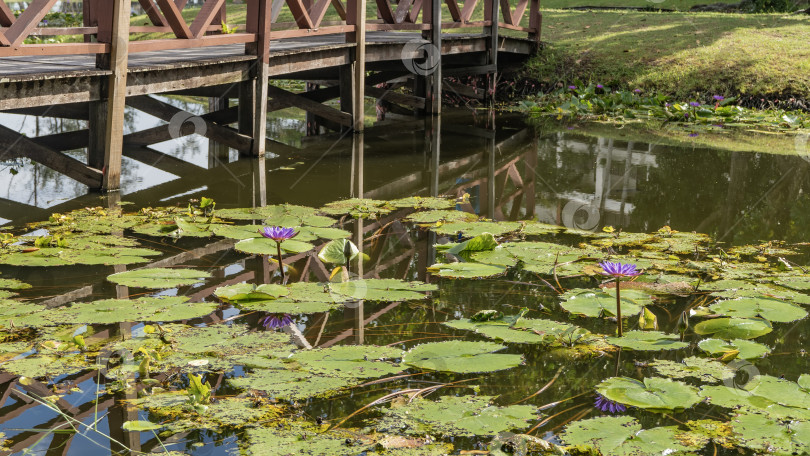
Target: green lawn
[[680, 5], [678, 53]]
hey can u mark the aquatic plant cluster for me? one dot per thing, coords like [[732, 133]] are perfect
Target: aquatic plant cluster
[[256, 375], [598, 103]]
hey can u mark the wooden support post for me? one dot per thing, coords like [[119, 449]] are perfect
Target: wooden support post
[[491, 14], [535, 22], [313, 125], [356, 10], [217, 152], [247, 93], [113, 22], [260, 25], [97, 129], [346, 84], [433, 80]]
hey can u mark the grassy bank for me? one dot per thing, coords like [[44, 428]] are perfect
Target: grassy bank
[[680, 54]]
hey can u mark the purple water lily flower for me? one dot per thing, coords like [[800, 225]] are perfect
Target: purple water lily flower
[[572, 87], [619, 270], [276, 321], [606, 405], [637, 91], [278, 233], [694, 104], [719, 97], [600, 86]]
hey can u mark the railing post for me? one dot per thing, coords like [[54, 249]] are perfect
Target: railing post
[[356, 15], [491, 14], [108, 113], [259, 19], [535, 21]]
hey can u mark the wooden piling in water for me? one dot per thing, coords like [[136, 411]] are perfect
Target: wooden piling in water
[[491, 13], [357, 16], [113, 19], [259, 18]]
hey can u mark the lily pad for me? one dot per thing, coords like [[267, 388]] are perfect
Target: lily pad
[[158, 278], [336, 252], [623, 436], [592, 303], [383, 290], [465, 416], [767, 308], [647, 341], [443, 216], [477, 228], [705, 370], [461, 357], [358, 208], [424, 202], [746, 348], [157, 309], [654, 393], [466, 270], [734, 328], [262, 246]]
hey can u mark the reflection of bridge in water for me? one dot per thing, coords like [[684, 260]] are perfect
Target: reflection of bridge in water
[[491, 170]]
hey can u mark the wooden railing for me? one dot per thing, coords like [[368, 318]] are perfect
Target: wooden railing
[[310, 17]]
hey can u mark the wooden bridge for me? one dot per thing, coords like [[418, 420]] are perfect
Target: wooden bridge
[[115, 66]]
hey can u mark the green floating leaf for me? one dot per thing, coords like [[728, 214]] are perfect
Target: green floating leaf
[[384, 290], [459, 416], [466, 270], [461, 357], [801, 283], [480, 243], [239, 232], [497, 331], [37, 366], [746, 348], [477, 228], [437, 216], [592, 303], [705, 370], [734, 328], [158, 278], [349, 361], [623, 436], [764, 394], [654, 394], [226, 414], [647, 341], [140, 426], [13, 284], [246, 292], [424, 202], [767, 308], [262, 246], [106, 311], [336, 252], [547, 258], [223, 340], [322, 372], [764, 435], [358, 207]]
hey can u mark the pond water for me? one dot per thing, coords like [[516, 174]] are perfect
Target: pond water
[[600, 189]]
